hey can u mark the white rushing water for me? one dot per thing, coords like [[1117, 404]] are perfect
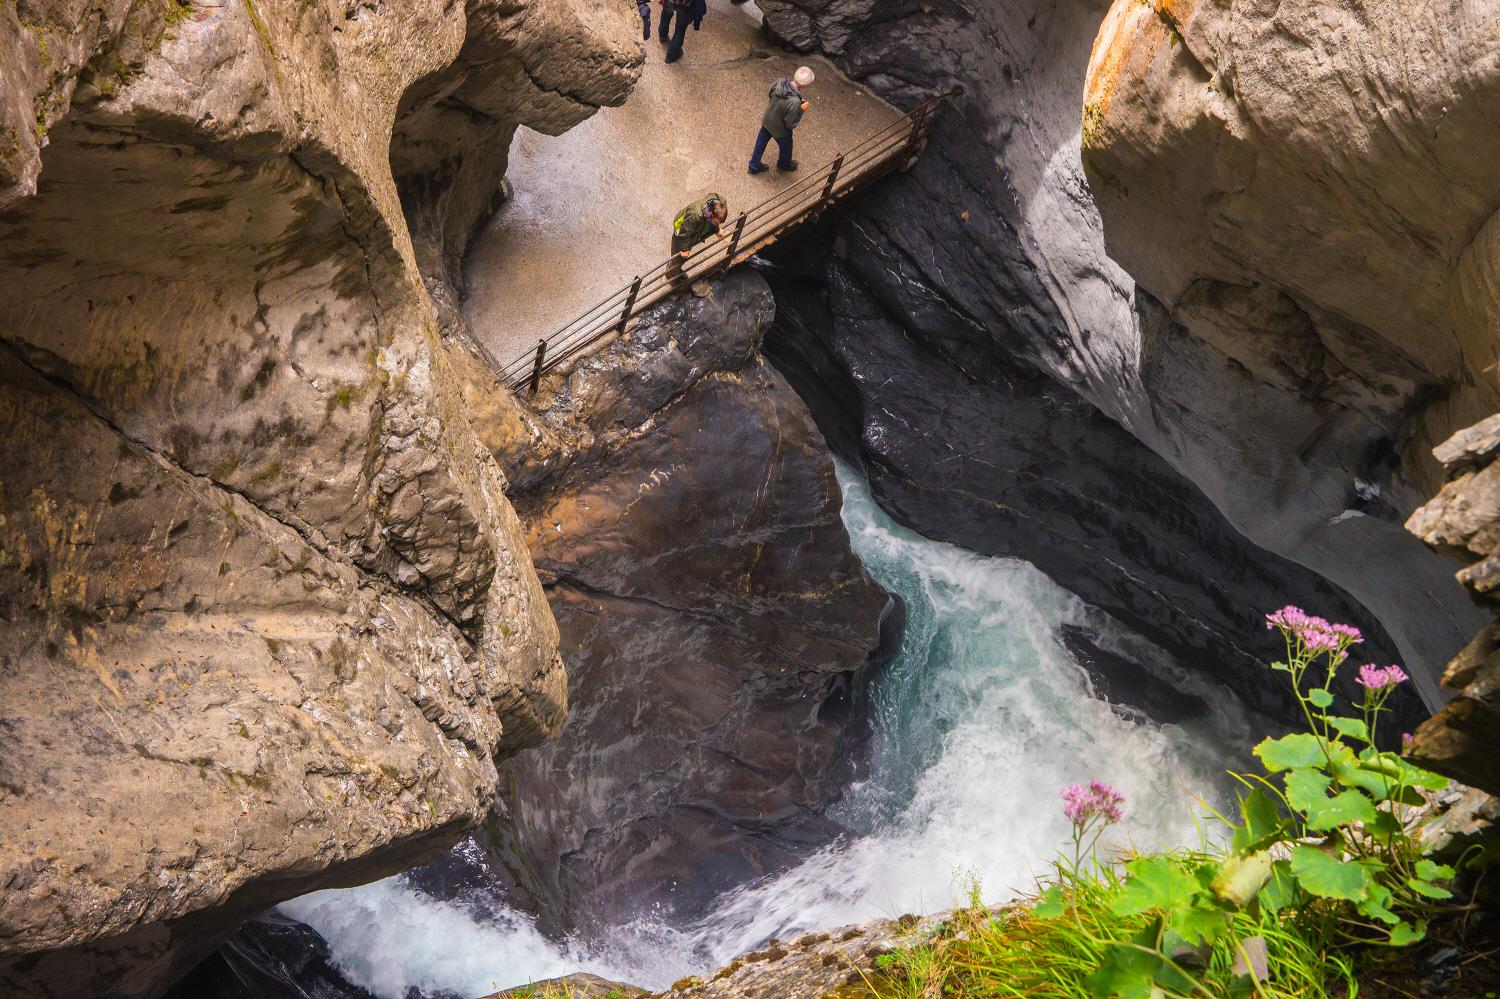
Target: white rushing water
[[979, 722]]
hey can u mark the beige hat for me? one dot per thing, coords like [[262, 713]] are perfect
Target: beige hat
[[803, 76]]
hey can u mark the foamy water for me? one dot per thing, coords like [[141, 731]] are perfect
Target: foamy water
[[979, 721]]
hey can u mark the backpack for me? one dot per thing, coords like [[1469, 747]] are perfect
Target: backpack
[[684, 6]]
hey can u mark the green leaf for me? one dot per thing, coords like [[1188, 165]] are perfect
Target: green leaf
[[1354, 728], [1320, 698], [1155, 883], [1197, 924], [1262, 822], [1049, 904], [1377, 785], [1126, 972], [1281, 890], [1418, 777], [1340, 810], [1430, 870], [1403, 934], [1241, 878], [1377, 905], [1290, 752], [1428, 890], [1324, 875], [1384, 826], [1306, 789]]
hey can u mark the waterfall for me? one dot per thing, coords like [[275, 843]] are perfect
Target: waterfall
[[979, 721]]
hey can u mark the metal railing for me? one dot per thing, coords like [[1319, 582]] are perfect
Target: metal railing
[[892, 147]]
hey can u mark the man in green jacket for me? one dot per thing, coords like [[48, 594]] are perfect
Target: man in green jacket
[[694, 224], [783, 113]]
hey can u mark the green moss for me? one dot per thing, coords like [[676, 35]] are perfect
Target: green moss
[[344, 397], [178, 11], [260, 27], [224, 468], [266, 474]]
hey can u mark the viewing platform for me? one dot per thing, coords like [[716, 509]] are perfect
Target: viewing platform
[[591, 210]]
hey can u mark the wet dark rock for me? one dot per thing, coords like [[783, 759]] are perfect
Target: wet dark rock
[[1123, 681], [985, 451], [717, 628], [269, 957]]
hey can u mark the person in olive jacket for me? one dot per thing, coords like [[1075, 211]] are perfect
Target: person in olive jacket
[[783, 113], [694, 224]]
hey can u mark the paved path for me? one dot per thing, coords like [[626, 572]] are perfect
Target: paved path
[[593, 207]]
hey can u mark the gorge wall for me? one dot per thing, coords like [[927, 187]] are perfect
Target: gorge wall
[[270, 619], [992, 258]]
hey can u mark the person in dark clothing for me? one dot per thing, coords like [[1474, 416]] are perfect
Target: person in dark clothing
[[694, 224], [686, 12], [644, 7], [783, 112]]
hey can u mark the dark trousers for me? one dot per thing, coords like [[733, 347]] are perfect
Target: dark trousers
[[674, 267], [783, 147], [679, 32], [664, 22], [646, 24]]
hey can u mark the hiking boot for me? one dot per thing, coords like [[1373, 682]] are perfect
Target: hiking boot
[[758, 168], [788, 168]]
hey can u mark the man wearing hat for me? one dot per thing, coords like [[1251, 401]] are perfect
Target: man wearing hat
[[783, 112]]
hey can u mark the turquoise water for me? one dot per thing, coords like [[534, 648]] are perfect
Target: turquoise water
[[980, 720]]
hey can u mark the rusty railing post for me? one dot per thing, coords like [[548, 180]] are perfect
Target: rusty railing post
[[918, 117], [833, 178], [635, 291], [536, 369], [734, 241]]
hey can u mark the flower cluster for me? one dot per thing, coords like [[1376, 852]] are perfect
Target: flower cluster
[[1376, 678], [1084, 802], [1315, 633]]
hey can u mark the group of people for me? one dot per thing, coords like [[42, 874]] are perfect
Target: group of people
[[703, 218], [681, 12]]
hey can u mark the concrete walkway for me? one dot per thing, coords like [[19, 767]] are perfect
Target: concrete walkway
[[593, 207]]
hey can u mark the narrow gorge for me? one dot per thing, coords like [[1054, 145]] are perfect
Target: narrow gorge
[[338, 664]]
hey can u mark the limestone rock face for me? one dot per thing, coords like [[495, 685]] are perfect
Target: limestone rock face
[[716, 626], [1336, 161], [1282, 408], [269, 617], [1463, 739]]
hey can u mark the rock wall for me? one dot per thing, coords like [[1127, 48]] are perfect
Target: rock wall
[[1463, 739], [683, 513], [994, 251], [270, 619]]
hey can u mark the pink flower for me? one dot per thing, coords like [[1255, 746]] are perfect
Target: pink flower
[[1084, 802], [1407, 741], [1373, 677], [1315, 633]]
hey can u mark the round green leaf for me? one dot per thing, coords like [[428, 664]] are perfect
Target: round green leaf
[[1320, 698], [1155, 883], [1340, 810], [1290, 752], [1324, 875]]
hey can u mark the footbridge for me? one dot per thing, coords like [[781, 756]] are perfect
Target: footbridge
[[893, 147]]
